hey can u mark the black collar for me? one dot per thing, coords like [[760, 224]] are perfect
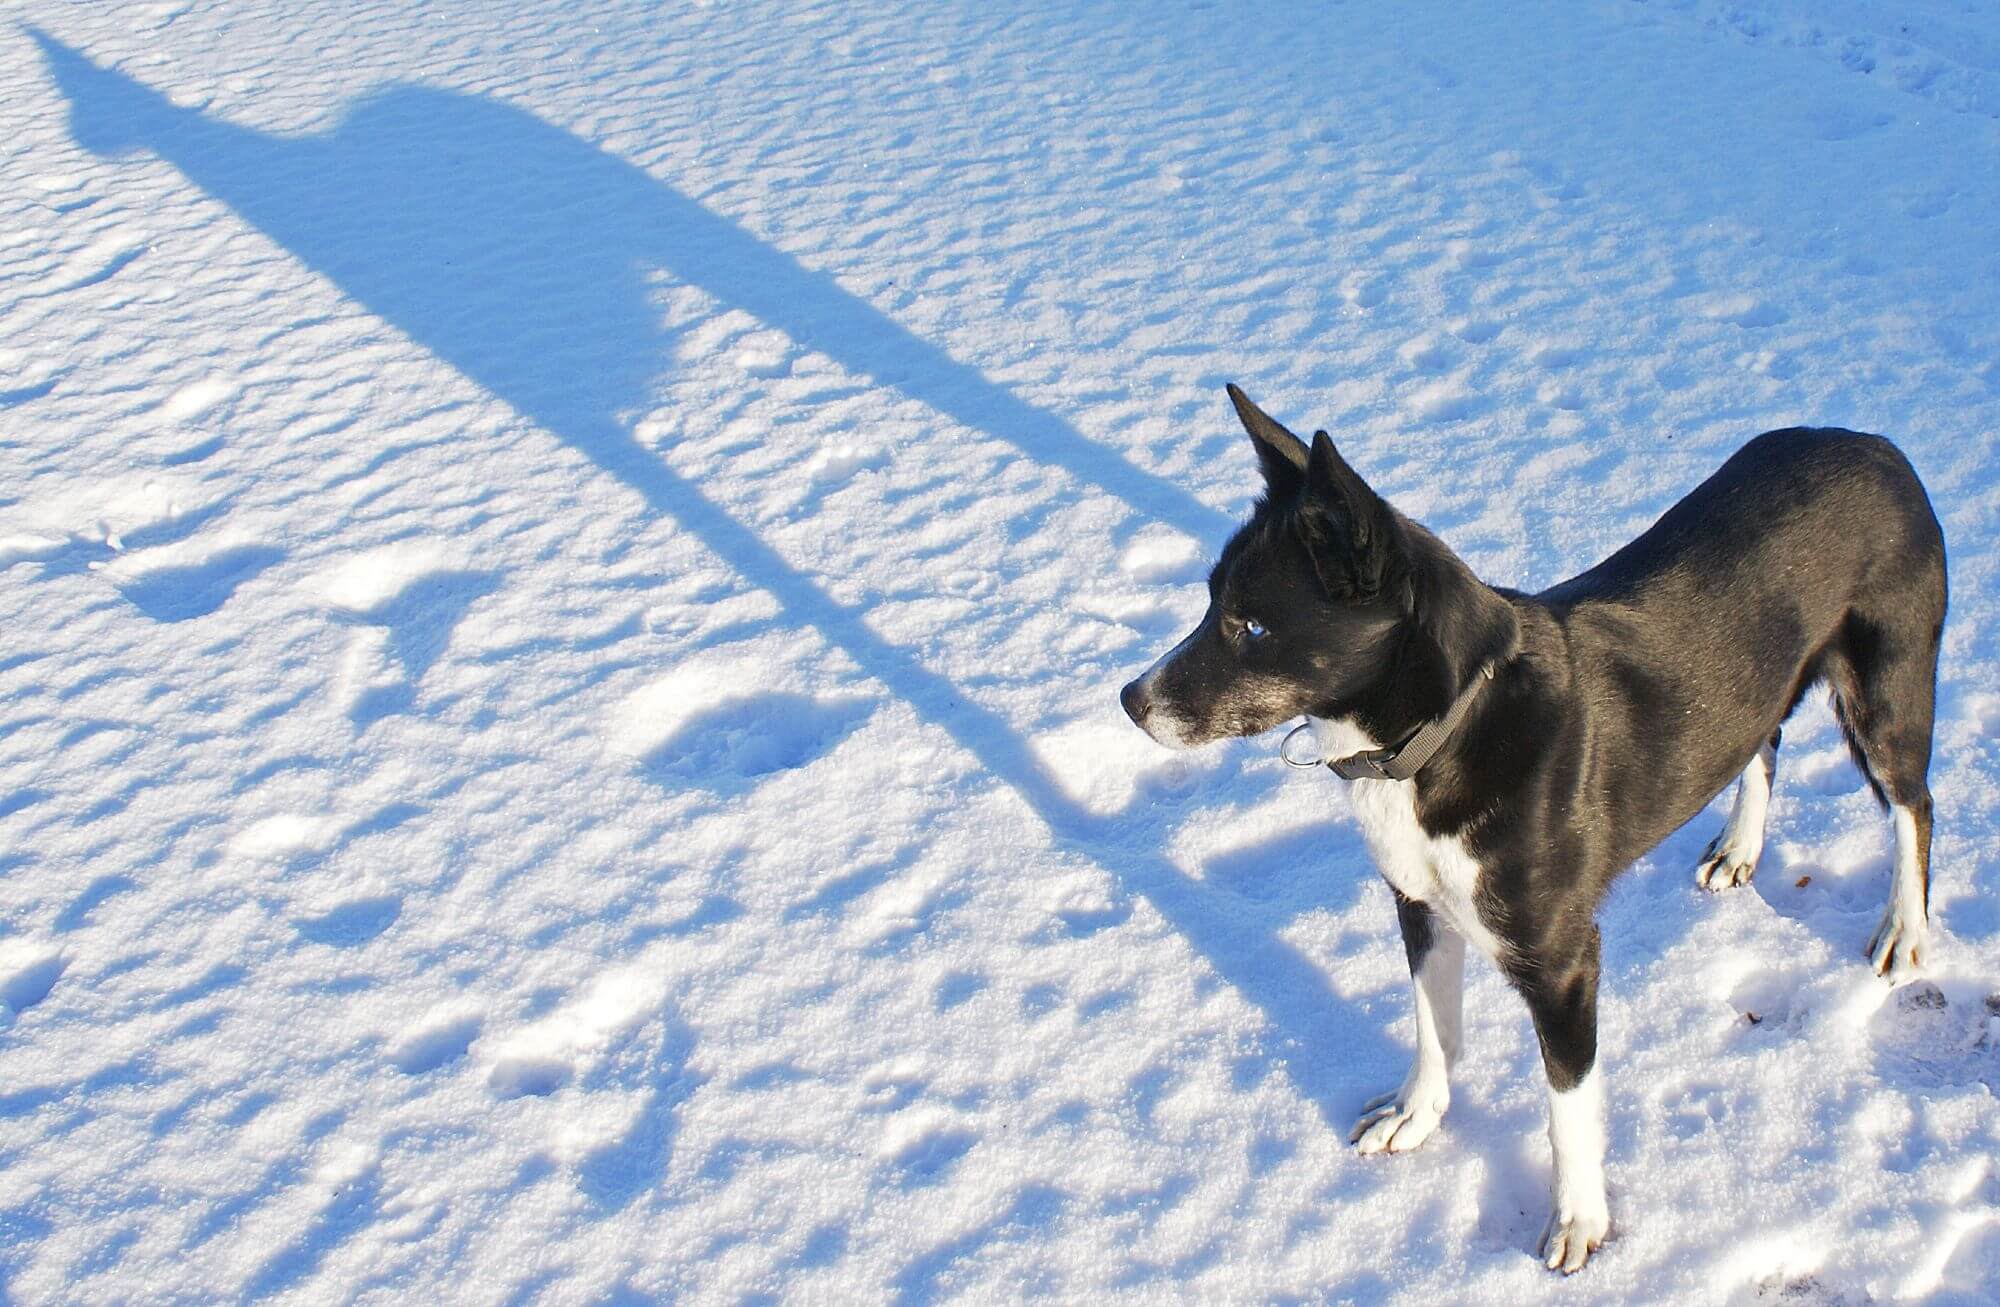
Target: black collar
[[1408, 758]]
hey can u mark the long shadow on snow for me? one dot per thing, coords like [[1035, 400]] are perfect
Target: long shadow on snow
[[518, 254]]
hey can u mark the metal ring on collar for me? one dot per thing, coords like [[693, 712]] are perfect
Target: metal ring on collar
[[1285, 747]]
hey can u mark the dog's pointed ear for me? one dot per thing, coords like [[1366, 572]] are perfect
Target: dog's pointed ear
[[1348, 526], [1281, 454]]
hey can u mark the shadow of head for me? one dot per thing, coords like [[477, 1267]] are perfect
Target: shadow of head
[[504, 245]]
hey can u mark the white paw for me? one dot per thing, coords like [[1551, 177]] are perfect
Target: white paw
[[1397, 1122], [1896, 949], [1725, 863], [1569, 1239]]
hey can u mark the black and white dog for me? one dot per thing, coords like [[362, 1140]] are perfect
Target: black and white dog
[[1509, 754]]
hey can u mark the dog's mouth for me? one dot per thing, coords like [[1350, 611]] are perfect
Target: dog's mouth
[[1149, 716], [1168, 724]]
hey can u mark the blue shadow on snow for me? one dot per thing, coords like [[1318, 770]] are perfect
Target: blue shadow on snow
[[519, 254]]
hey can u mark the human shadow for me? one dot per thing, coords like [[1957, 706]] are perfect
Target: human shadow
[[516, 252], [519, 255]]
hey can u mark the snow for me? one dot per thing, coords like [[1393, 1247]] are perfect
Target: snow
[[566, 571]]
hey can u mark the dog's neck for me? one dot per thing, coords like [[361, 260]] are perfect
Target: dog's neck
[[1460, 631], [1405, 760]]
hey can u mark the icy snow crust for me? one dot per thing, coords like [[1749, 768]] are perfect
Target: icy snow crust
[[565, 573]]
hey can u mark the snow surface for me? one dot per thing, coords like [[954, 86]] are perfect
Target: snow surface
[[566, 570]]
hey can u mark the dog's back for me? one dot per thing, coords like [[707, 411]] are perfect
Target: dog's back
[[1698, 638], [1823, 494]]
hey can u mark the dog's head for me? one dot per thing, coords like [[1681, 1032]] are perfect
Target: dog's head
[[1327, 602], [1305, 606]]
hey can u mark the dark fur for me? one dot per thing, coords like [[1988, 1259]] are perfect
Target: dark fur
[[1624, 699]]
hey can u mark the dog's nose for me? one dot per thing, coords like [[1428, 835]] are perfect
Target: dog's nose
[[1133, 697]]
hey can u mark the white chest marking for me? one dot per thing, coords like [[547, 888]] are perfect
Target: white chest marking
[[1442, 874]]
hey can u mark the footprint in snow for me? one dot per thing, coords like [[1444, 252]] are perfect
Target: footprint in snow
[[420, 616], [741, 740], [1362, 292], [1474, 331], [765, 355], [94, 895], [1464, 256], [157, 16], [435, 1045], [1448, 400], [1742, 310], [590, 1041], [1554, 462], [527, 1075], [178, 594], [1699, 1107], [1771, 1001], [1972, 1266], [1426, 353], [1553, 355], [100, 261], [407, 608], [891, 1090], [956, 988], [1805, 1289], [1930, 1039], [1841, 121], [25, 376], [195, 453], [352, 923], [26, 980], [929, 1156], [1982, 711]]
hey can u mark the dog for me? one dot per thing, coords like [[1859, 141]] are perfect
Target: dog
[[1508, 754]]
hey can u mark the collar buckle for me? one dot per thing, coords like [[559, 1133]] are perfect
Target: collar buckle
[[1409, 757], [1367, 766]]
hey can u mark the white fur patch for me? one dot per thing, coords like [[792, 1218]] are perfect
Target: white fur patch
[[1576, 1139], [1582, 1214], [1907, 889], [1731, 857], [1440, 873], [1744, 832], [1401, 1121], [1441, 1001], [1162, 725], [1899, 942]]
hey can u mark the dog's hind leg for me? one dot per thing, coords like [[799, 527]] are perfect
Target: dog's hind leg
[[1903, 936], [1731, 857], [1563, 1001], [1884, 691], [1399, 1121]]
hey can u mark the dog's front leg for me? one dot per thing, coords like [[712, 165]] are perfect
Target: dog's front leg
[[1731, 857], [1401, 1120], [1563, 1000]]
